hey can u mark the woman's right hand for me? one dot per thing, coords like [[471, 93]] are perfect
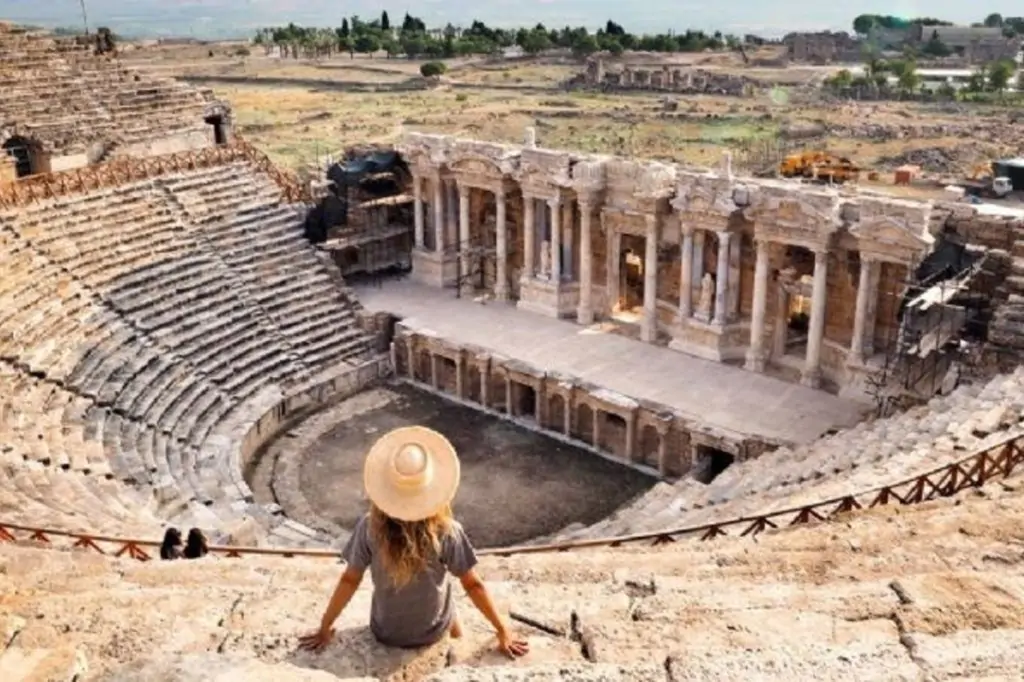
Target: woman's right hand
[[512, 646], [317, 640]]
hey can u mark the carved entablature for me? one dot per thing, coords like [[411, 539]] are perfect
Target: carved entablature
[[425, 154], [704, 202], [483, 165], [624, 221], [588, 179], [542, 172], [795, 217], [639, 186], [894, 231]]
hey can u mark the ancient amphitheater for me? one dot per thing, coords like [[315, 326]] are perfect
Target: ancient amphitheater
[[164, 318]]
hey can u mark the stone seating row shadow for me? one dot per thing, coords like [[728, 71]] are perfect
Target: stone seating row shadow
[[142, 330], [869, 455]]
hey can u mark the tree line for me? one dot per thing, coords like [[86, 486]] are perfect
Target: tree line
[[864, 24], [992, 78], [413, 40]]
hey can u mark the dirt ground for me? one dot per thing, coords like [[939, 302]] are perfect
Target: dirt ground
[[516, 484], [301, 111]]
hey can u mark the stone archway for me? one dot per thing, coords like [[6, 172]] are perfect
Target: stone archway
[[422, 370], [556, 413], [650, 441], [585, 424], [20, 149]]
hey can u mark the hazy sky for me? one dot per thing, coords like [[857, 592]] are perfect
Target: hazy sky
[[220, 17]]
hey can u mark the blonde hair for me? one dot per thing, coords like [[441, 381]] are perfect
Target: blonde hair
[[407, 546]]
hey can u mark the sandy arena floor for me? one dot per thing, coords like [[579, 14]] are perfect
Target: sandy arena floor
[[516, 484]]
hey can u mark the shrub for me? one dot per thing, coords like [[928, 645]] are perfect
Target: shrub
[[429, 69]]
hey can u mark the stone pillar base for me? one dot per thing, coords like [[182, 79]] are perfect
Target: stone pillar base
[[755, 362], [811, 379], [585, 315], [549, 298], [434, 269], [717, 343]]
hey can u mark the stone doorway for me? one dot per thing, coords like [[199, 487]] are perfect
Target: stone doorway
[[709, 462], [18, 148], [793, 314], [629, 307], [220, 133]]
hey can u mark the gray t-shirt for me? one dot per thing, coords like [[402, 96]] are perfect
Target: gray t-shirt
[[420, 612]]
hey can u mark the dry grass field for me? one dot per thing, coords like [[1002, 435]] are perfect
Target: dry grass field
[[299, 111]]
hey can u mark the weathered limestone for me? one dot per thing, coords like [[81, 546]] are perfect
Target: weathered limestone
[[159, 367], [68, 108], [696, 282]]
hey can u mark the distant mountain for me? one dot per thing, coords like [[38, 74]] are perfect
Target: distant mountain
[[236, 18]]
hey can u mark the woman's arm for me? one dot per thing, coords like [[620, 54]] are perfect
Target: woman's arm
[[343, 591], [481, 599]]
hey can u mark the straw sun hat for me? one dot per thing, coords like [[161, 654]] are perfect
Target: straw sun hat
[[411, 473]]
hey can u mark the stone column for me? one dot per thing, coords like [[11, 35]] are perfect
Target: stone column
[[755, 354], [508, 397], [433, 371], [453, 216], [411, 358], [649, 328], [438, 217], [567, 252], [816, 331], [722, 280], [460, 374], [529, 235], [871, 317], [555, 245], [630, 435], [485, 382], [864, 294], [585, 312], [417, 191], [686, 275], [465, 261], [614, 263], [501, 239], [699, 237]]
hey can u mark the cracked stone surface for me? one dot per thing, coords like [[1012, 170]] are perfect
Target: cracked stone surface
[[931, 592]]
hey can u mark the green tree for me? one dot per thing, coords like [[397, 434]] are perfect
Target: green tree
[[907, 78], [863, 24], [1000, 73], [935, 47], [584, 45], [430, 69], [994, 20], [385, 22], [344, 30], [841, 80], [366, 43]]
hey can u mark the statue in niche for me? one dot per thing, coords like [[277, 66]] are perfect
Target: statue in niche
[[707, 297], [545, 259]]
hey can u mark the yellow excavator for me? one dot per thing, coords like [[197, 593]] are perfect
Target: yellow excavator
[[819, 166]]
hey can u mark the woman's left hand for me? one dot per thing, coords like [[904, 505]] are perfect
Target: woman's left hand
[[317, 640]]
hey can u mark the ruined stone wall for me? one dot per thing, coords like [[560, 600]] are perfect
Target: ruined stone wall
[[842, 297]]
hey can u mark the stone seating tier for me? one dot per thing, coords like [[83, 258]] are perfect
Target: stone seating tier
[[870, 454], [138, 346], [875, 601], [52, 86]]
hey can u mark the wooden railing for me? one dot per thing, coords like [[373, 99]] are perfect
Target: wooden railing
[[124, 170], [995, 462]]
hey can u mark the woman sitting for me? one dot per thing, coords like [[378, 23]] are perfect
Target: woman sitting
[[195, 546], [410, 542], [171, 548]]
